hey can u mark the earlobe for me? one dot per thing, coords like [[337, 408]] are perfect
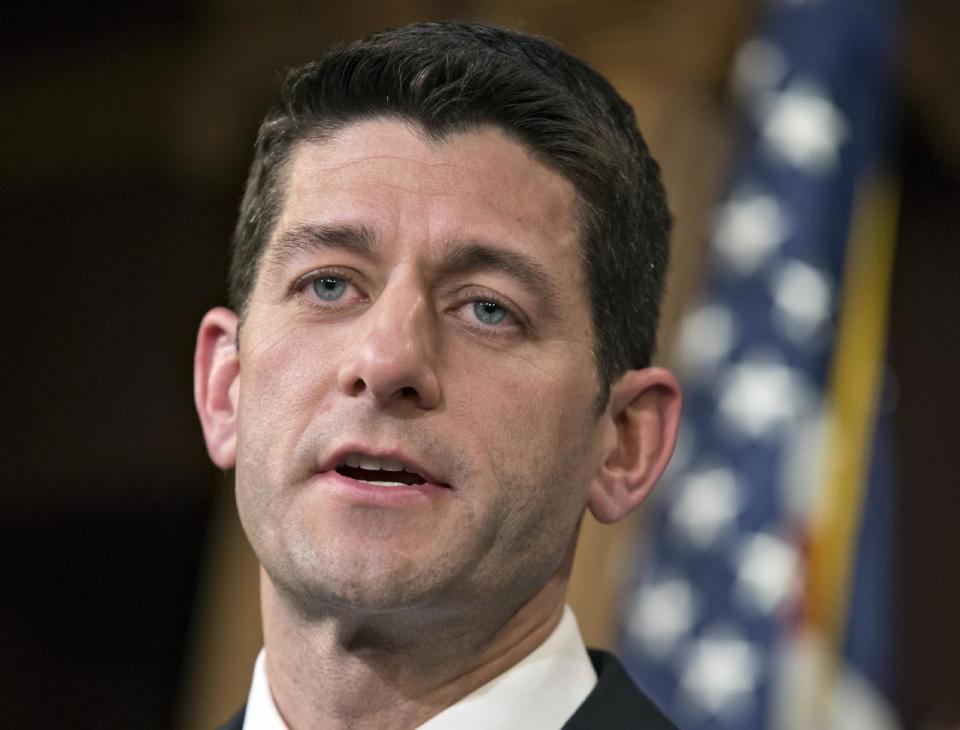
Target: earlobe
[[216, 371], [644, 409]]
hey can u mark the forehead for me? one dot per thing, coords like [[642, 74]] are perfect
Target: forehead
[[388, 175]]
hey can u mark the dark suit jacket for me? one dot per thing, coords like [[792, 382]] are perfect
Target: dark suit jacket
[[614, 704]]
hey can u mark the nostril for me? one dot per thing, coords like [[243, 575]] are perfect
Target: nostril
[[409, 392]]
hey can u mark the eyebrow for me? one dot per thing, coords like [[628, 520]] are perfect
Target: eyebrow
[[309, 238], [461, 256]]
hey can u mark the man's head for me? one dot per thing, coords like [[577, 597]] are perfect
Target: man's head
[[448, 77], [438, 223]]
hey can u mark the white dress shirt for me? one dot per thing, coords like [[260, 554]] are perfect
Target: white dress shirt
[[540, 692]]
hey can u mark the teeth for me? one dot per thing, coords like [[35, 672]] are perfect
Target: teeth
[[391, 465], [370, 463]]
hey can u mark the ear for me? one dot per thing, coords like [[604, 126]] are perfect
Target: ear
[[216, 371], [644, 408]]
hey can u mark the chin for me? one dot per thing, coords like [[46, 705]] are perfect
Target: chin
[[359, 586]]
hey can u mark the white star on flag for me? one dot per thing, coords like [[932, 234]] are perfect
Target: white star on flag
[[720, 674], [747, 229], [759, 395], [708, 502], [662, 613], [706, 337], [767, 572], [759, 65], [803, 127], [802, 301]]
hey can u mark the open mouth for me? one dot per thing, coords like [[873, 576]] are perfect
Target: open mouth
[[381, 472]]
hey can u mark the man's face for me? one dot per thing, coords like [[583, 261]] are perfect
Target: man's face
[[420, 306]]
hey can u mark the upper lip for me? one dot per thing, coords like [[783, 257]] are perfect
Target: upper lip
[[410, 464]]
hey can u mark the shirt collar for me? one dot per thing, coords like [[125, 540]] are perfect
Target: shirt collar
[[261, 713], [557, 674]]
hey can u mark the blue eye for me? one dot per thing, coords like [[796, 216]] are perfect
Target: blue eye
[[329, 288], [489, 313]]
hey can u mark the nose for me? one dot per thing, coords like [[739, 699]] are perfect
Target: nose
[[395, 351]]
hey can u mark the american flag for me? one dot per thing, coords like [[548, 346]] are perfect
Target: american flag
[[760, 602]]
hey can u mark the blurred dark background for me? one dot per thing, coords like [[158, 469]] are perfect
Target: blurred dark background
[[125, 132]]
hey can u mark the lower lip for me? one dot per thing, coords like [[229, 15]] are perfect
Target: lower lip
[[374, 494]]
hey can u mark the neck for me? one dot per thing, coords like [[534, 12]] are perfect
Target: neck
[[339, 670]]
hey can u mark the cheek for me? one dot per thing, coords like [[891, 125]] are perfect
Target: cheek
[[536, 432], [286, 370], [283, 382], [513, 402]]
